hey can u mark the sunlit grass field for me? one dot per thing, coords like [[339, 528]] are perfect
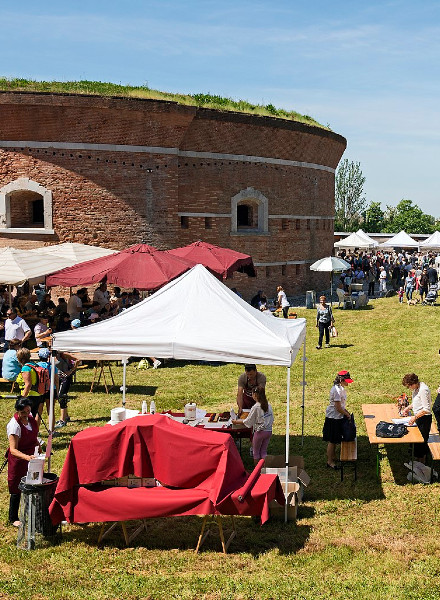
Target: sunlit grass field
[[365, 539]]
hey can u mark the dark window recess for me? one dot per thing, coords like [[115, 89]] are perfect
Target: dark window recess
[[208, 222], [38, 212], [283, 270], [267, 271], [284, 224], [298, 223], [297, 270], [308, 223], [184, 222], [244, 215]]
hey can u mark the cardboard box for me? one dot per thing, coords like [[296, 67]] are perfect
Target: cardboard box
[[297, 481]]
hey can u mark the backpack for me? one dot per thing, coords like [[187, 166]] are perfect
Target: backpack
[[390, 430], [42, 386]]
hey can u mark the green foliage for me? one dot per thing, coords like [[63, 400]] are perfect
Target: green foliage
[[112, 89], [350, 202], [374, 218], [409, 217]]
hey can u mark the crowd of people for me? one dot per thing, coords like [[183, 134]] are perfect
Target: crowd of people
[[406, 273]]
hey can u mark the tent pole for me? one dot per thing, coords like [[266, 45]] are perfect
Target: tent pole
[[286, 490], [124, 378], [304, 360], [10, 296], [51, 400]]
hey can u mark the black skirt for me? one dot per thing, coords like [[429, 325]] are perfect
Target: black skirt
[[332, 430]]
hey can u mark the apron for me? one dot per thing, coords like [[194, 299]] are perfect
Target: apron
[[17, 467], [248, 401]]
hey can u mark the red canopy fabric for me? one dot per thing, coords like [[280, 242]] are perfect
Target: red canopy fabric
[[140, 266], [199, 471], [220, 261]]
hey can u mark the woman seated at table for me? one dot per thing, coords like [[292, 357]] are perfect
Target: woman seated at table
[[421, 407], [10, 366]]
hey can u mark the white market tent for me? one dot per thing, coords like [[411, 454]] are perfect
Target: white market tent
[[433, 242], [400, 240], [355, 240], [373, 243], [74, 253], [194, 317]]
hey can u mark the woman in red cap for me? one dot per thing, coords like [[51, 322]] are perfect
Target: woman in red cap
[[335, 412]]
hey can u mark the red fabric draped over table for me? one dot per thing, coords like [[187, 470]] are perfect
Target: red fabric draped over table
[[199, 471]]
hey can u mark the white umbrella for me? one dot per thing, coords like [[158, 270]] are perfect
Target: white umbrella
[[330, 264], [74, 253]]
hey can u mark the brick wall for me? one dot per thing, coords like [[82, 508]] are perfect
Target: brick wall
[[117, 198]]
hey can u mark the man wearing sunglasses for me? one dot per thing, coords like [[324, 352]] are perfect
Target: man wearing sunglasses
[[15, 328]]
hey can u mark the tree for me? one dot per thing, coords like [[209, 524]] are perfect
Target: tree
[[374, 218], [409, 217], [350, 202]]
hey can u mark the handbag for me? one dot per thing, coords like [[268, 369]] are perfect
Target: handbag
[[390, 430], [333, 331], [348, 429]]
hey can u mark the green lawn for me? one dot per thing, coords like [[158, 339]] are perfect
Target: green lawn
[[364, 539]]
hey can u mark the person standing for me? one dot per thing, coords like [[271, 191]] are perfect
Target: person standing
[[247, 381], [282, 301], [335, 412], [101, 295], [16, 328], [10, 365], [324, 320], [409, 285], [22, 432], [421, 407], [382, 281], [261, 420]]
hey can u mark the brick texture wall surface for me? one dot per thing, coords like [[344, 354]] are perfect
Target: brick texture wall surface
[[117, 198]]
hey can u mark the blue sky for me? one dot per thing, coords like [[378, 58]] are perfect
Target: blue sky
[[368, 70]]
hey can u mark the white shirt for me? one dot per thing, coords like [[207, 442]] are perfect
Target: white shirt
[[282, 299], [74, 306], [259, 420], [101, 297], [337, 394], [421, 399], [13, 428], [16, 328]]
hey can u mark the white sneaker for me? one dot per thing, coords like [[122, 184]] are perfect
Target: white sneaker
[[156, 364]]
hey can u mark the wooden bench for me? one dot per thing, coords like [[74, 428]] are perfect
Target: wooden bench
[[349, 457], [8, 381], [434, 445]]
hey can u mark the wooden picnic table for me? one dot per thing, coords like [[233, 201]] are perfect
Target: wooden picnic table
[[373, 413]]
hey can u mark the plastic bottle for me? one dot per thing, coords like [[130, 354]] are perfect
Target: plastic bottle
[[152, 407], [144, 407]]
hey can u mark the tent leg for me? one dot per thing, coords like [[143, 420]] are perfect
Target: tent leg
[[304, 360], [10, 295], [51, 400], [287, 442], [124, 378]]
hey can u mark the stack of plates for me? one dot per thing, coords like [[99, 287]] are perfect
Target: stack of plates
[[117, 415]]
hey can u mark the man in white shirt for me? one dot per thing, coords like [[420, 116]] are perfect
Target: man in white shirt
[[74, 306], [16, 327], [101, 295]]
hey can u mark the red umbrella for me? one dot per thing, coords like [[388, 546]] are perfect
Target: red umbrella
[[220, 261], [140, 266]]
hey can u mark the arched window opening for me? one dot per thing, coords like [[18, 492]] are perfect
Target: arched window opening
[[26, 209], [249, 213]]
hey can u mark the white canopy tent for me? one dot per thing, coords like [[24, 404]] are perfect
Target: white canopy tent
[[433, 242], [194, 317], [373, 243], [356, 240], [400, 240], [74, 253]]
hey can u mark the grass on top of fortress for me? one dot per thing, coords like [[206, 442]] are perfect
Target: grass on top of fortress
[[365, 539], [101, 88]]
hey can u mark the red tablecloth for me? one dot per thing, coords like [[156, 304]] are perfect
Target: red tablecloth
[[199, 470]]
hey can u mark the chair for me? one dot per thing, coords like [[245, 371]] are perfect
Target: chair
[[343, 299]]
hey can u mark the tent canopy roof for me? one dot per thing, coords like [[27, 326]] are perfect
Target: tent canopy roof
[[432, 242], [401, 240], [194, 317], [74, 252], [355, 240]]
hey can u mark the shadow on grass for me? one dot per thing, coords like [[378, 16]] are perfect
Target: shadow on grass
[[183, 532]]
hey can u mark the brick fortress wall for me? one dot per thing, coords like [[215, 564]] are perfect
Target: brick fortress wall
[[123, 171]]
